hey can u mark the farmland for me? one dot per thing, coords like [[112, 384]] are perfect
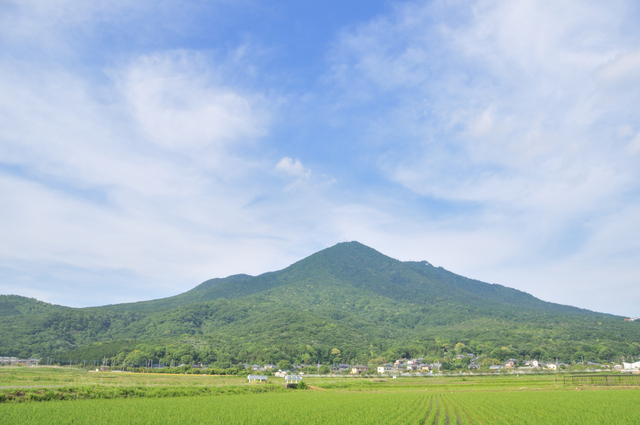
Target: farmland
[[149, 398]]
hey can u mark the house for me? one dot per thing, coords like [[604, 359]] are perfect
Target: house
[[511, 363], [400, 362], [425, 368], [357, 370], [532, 363], [15, 360], [631, 366], [473, 366], [343, 367], [552, 366], [385, 368], [412, 367], [270, 366]]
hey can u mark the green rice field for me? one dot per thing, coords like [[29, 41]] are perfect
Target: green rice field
[[224, 400]]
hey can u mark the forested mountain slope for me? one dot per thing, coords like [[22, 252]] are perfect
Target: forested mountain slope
[[348, 297]]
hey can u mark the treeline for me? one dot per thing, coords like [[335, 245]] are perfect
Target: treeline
[[210, 351]]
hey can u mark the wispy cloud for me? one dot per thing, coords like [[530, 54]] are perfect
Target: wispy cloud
[[516, 107], [498, 139], [293, 168]]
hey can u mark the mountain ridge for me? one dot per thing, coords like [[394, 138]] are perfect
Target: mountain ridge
[[348, 296]]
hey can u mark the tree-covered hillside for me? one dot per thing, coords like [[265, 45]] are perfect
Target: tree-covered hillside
[[345, 303]]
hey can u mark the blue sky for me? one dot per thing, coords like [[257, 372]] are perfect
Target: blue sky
[[148, 146]]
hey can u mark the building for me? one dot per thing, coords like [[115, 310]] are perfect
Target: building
[[357, 370], [259, 378], [385, 368]]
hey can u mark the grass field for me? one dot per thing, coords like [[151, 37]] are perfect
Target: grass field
[[539, 399]]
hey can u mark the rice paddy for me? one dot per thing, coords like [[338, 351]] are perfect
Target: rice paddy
[[224, 400]]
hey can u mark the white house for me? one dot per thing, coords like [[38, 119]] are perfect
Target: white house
[[384, 368], [631, 366]]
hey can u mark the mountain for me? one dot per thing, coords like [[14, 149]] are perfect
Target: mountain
[[348, 298], [15, 305]]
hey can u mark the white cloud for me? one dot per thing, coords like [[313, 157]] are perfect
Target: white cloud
[[293, 168], [512, 109], [504, 136], [143, 179], [180, 105]]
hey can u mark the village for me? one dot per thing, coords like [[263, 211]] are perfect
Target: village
[[466, 363], [460, 364]]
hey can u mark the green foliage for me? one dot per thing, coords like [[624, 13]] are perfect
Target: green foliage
[[334, 407], [345, 304]]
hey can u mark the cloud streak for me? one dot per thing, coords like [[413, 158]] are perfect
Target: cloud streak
[[514, 107], [498, 139]]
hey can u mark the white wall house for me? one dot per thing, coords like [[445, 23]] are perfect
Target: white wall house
[[385, 368], [631, 366]]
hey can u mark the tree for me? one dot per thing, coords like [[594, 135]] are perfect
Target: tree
[[285, 365], [335, 355]]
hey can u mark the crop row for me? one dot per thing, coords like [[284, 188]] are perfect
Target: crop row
[[334, 407]]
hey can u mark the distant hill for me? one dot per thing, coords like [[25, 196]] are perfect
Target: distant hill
[[15, 305], [348, 298]]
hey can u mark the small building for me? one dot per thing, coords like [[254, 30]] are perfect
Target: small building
[[292, 380], [357, 370], [384, 368], [258, 378]]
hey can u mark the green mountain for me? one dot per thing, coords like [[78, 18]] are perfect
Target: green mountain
[[345, 303], [15, 305]]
